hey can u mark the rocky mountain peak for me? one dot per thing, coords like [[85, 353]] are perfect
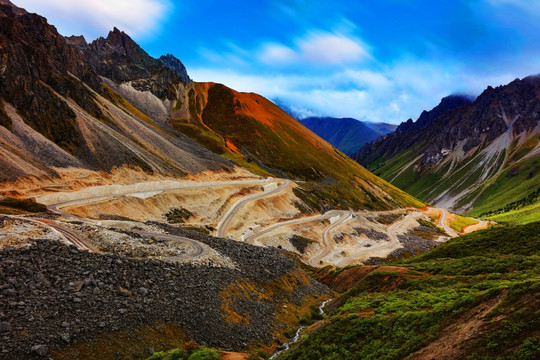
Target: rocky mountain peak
[[14, 8], [78, 41], [118, 42], [175, 65]]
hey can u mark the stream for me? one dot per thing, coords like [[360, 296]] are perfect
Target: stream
[[296, 337]]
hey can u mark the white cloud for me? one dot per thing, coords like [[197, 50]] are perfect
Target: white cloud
[[93, 18], [393, 94], [272, 53], [316, 47], [331, 48]]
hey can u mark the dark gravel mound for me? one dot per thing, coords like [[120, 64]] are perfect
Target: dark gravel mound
[[52, 295]]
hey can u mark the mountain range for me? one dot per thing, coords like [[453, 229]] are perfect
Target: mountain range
[[105, 104], [346, 134], [471, 155], [144, 215]]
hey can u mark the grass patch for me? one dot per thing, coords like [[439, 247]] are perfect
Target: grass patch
[[461, 222], [189, 352], [178, 215]]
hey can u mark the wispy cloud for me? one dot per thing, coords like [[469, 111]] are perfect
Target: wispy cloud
[[94, 18], [316, 47]]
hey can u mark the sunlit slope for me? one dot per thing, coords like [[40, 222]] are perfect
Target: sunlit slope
[[260, 136]]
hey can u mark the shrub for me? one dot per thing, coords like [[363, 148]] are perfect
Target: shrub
[[178, 215], [204, 353]]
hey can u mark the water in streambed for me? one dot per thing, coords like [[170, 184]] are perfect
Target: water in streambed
[[296, 337]]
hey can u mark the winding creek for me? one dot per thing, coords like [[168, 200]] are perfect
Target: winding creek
[[296, 337]]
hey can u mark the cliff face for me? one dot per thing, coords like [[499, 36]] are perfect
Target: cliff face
[[461, 153], [120, 59], [36, 62]]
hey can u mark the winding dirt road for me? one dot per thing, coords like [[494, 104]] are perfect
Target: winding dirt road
[[446, 228], [198, 248], [251, 239], [225, 221], [393, 241], [66, 234], [82, 197], [344, 217]]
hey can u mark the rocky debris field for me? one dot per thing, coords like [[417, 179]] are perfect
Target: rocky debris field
[[52, 295], [15, 233], [133, 241], [411, 245]]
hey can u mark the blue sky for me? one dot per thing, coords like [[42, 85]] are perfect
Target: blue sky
[[375, 60]]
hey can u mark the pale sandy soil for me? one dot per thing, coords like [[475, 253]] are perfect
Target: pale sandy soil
[[280, 237], [74, 179], [207, 205], [264, 212]]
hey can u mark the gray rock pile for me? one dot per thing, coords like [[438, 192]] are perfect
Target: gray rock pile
[[52, 295]]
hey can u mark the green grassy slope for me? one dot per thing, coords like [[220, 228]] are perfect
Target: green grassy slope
[[474, 297], [515, 182]]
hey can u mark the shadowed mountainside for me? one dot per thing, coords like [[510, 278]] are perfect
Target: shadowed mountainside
[[56, 112], [347, 134]]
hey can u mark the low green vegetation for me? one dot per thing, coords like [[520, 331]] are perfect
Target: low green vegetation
[[475, 296], [15, 206], [460, 222], [529, 199], [520, 216], [197, 353], [514, 183], [178, 215]]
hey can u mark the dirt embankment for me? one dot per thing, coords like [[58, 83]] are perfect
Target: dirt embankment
[[206, 205], [74, 179]]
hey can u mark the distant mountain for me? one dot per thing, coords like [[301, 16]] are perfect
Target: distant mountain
[[66, 103], [477, 156], [383, 128], [346, 134], [297, 112]]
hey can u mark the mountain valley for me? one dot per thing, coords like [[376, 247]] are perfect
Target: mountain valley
[[144, 215]]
